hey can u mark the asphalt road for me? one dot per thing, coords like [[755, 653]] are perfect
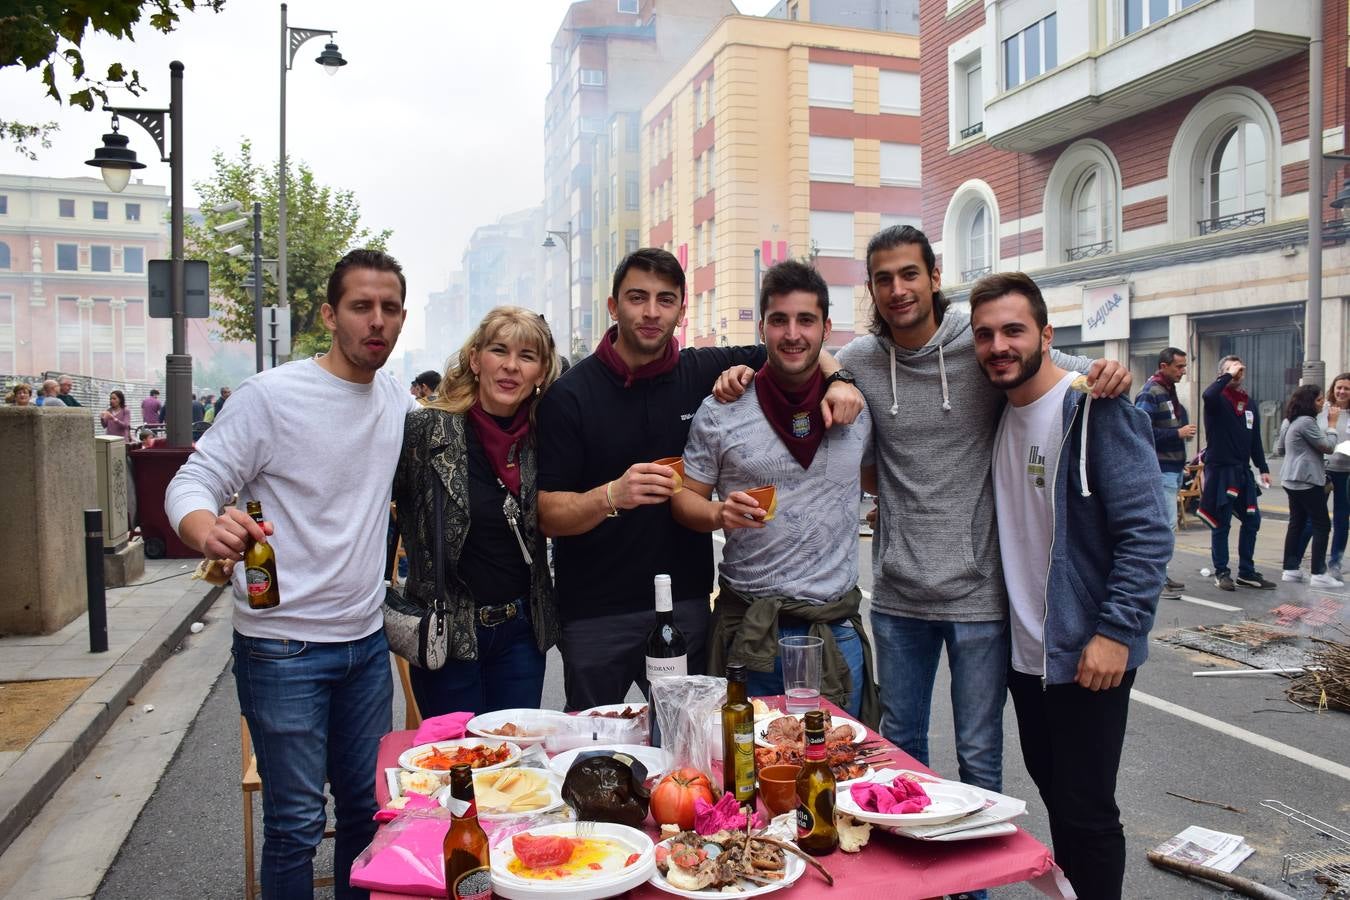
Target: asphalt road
[[188, 840]]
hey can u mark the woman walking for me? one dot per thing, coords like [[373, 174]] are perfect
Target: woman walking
[[1338, 473], [1304, 478], [469, 461]]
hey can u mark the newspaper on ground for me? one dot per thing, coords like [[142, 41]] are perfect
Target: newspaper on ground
[[1205, 847]]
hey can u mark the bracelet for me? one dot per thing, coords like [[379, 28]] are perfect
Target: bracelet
[[613, 510]]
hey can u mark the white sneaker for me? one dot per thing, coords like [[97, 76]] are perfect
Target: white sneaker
[[1325, 581], [1293, 575]]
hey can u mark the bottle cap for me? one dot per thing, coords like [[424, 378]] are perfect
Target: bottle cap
[[814, 720]]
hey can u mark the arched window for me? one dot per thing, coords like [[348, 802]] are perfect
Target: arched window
[[1094, 215], [1235, 179], [4, 255], [970, 233], [975, 236]]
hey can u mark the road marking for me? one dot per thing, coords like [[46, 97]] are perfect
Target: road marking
[[1200, 601], [1242, 734]]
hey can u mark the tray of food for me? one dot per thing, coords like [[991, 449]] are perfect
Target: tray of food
[[851, 756], [694, 865], [616, 711], [515, 791], [575, 860], [519, 726], [790, 728], [441, 756]]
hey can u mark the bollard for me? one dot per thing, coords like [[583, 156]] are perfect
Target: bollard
[[93, 570]]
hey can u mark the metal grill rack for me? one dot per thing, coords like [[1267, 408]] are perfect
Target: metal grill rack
[[1332, 861]]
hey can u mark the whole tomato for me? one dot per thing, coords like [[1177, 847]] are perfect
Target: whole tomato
[[673, 798]]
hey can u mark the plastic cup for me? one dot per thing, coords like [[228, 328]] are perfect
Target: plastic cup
[[676, 463], [767, 497], [801, 671]]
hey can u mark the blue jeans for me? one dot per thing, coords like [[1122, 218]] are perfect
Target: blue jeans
[[1218, 538], [978, 655], [316, 711], [1171, 482], [508, 674], [763, 684]]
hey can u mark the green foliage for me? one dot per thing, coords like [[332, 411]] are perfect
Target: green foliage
[[322, 225], [48, 36]]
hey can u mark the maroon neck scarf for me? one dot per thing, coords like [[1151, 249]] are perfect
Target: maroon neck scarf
[[1236, 396], [502, 445], [793, 414], [609, 355]]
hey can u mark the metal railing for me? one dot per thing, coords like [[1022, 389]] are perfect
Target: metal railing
[[1087, 251], [1234, 220], [972, 274], [972, 130]]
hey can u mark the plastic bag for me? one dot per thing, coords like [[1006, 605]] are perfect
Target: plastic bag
[[688, 708], [582, 731]]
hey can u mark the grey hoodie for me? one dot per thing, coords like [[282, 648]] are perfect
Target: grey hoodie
[[935, 554]]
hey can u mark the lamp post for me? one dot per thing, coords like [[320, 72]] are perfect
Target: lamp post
[[566, 238], [331, 60], [238, 250], [116, 163]]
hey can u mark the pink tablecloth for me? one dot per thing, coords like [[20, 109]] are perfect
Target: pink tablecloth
[[890, 867]]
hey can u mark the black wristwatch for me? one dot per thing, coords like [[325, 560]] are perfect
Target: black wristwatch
[[843, 375]]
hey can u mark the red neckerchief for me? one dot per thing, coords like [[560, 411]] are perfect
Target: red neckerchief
[[793, 415], [502, 445], [608, 355], [1236, 396]]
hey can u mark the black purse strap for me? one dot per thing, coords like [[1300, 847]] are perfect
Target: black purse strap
[[438, 551]]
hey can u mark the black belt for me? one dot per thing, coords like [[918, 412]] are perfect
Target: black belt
[[492, 616]]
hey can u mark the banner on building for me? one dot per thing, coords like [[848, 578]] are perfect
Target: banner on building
[[1106, 312]]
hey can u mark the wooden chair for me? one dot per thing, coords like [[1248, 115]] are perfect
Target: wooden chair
[[250, 784], [412, 717], [1187, 494]]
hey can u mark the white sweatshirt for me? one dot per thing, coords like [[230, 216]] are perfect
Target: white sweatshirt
[[319, 453]]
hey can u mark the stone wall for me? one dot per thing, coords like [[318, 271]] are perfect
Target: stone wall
[[48, 460]]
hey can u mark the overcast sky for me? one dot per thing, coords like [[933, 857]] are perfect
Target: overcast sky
[[436, 123]]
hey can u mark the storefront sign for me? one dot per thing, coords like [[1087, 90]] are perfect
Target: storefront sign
[[1106, 312]]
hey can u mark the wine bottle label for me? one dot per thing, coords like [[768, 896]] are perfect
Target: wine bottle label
[[744, 740], [806, 822], [475, 884], [665, 667], [258, 579]]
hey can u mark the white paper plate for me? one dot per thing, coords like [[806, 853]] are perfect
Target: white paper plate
[[613, 707], [655, 759], [407, 759], [951, 800], [793, 870], [762, 726], [513, 887], [539, 722], [553, 787]]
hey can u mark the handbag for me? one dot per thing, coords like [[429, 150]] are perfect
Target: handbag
[[421, 636]]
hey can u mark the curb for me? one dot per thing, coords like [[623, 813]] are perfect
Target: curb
[[27, 785]]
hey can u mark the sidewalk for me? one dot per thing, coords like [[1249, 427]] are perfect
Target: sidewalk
[[146, 622]]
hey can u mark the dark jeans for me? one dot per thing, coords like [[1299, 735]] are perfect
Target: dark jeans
[[508, 674], [1307, 508], [1340, 519], [1071, 741], [1218, 537], [604, 656], [316, 711]]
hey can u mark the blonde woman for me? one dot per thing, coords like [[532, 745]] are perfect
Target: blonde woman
[[471, 452], [19, 395]]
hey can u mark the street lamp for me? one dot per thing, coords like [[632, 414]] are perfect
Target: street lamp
[[238, 250], [116, 163], [331, 60], [566, 238]]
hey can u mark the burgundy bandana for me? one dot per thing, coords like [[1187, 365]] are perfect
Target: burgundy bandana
[[1236, 396], [794, 415], [610, 357], [502, 445]]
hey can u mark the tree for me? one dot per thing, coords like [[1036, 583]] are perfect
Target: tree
[[32, 35], [323, 224]]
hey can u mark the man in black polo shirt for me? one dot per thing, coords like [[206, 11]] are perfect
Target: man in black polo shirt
[[606, 501]]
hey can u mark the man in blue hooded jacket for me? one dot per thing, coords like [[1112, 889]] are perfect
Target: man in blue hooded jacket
[[1085, 544]]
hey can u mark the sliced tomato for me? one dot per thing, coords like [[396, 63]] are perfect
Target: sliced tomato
[[632, 858], [543, 851], [662, 854]]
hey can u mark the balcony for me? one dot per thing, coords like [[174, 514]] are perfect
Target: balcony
[[1187, 52], [1087, 251], [1234, 220], [969, 275]]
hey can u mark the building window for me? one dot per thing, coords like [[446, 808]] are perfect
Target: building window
[[708, 169], [841, 307], [101, 209], [1082, 204], [67, 257], [1235, 179], [133, 212], [899, 92], [1139, 14], [7, 333], [696, 248], [632, 194], [630, 241], [632, 133], [698, 107], [592, 125], [831, 159], [4, 205], [710, 231], [629, 6], [1030, 52], [975, 242], [614, 194], [1094, 216], [968, 97], [100, 258], [899, 163], [593, 77], [832, 233], [133, 260], [698, 177], [710, 312], [971, 230], [66, 208], [4, 255], [708, 99], [829, 85]]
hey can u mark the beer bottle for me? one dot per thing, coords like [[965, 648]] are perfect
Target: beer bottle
[[468, 872], [738, 739], [260, 567], [816, 833]]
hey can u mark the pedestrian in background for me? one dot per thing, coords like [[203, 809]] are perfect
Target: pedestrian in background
[[198, 409], [1172, 428], [116, 418], [220, 401], [19, 395], [1304, 479], [152, 408], [480, 430], [1338, 474], [66, 383], [424, 386], [51, 394]]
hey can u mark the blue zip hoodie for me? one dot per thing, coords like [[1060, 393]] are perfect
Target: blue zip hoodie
[[1111, 545]]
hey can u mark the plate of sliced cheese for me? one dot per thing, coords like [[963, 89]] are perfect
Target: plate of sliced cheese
[[515, 792]]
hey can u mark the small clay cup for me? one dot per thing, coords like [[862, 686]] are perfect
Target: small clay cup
[[778, 788], [676, 463]]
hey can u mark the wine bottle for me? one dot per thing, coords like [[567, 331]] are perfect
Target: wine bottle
[[738, 739], [816, 833], [468, 869], [260, 567], [667, 654]]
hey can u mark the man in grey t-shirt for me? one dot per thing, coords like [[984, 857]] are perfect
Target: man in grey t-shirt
[[790, 566]]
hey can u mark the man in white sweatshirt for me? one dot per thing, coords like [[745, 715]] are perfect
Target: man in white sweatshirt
[[316, 442]]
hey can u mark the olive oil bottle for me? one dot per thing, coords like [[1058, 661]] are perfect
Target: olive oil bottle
[[816, 833], [738, 739]]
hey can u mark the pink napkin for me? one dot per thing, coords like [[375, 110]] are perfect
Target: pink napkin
[[415, 801], [448, 727], [725, 813], [901, 796]]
